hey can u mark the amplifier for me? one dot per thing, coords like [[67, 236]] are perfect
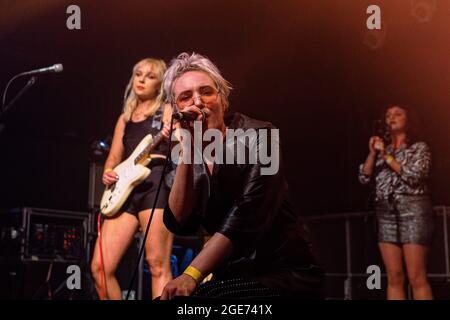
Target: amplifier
[[35, 234], [96, 186]]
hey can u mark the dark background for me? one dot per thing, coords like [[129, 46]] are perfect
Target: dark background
[[302, 65]]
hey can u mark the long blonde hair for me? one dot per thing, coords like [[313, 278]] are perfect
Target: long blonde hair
[[130, 99]]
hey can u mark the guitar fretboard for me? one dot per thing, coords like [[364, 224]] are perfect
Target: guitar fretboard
[[145, 153]]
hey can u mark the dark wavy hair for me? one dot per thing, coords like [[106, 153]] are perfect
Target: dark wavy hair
[[413, 124]]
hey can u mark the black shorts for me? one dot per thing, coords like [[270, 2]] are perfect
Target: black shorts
[[143, 196]]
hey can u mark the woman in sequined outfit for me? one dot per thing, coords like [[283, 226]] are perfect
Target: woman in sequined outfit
[[402, 204]]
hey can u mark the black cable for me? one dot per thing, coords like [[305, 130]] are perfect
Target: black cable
[[141, 250]]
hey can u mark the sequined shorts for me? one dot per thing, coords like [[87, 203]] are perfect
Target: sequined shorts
[[405, 219]]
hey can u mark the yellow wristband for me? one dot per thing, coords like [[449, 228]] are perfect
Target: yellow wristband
[[389, 159], [193, 273], [108, 170]]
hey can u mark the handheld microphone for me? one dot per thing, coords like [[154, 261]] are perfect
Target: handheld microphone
[[188, 116], [52, 69], [381, 130]]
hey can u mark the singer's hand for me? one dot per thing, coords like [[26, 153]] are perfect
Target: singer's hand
[[372, 142], [184, 285], [193, 109]]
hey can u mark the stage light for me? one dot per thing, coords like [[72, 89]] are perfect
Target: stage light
[[101, 147], [375, 39], [423, 10]]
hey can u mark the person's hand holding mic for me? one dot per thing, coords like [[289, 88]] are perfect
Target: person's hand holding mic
[[187, 116], [376, 144]]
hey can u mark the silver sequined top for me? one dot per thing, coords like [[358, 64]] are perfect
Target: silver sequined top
[[415, 163]]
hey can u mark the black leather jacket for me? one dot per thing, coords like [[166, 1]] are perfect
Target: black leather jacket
[[253, 211]]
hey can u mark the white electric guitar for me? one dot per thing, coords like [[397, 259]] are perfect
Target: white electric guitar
[[131, 173]]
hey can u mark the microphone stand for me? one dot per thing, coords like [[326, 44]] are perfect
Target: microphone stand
[[4, 108]]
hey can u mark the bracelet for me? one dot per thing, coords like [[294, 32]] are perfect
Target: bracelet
[[389, 159], [194, 273], [107, 170]]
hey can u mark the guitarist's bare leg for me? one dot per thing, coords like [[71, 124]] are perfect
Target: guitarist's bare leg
[[158, 249], [117, 234]]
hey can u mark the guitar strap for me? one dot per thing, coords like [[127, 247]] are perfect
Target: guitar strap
[[157, 118]]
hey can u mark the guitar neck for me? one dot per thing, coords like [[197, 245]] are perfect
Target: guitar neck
[[145, 153]]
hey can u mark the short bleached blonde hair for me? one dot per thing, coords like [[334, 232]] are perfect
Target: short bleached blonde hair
[[194, 62]]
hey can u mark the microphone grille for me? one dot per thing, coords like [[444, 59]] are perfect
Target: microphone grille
[[58, 67]]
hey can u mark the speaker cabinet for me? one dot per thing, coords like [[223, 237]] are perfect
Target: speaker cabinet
[[36, 248], [96, 186]]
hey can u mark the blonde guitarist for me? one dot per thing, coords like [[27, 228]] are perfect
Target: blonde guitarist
[[143, 114]]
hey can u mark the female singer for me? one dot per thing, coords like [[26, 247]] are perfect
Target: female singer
[[400, 167]]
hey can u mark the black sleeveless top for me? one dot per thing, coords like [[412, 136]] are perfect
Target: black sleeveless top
[[136, 131]]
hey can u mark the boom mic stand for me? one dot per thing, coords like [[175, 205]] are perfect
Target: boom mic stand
[[4, 108]]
